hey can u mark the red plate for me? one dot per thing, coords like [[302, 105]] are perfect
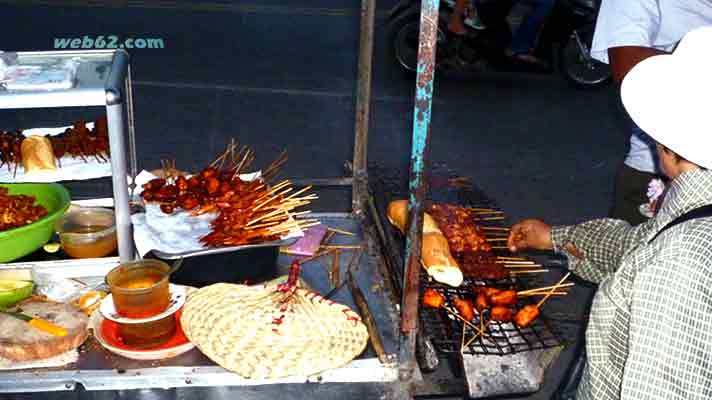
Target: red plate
[[110, 333]]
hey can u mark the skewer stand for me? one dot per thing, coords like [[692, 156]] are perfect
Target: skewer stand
[[103, 79]]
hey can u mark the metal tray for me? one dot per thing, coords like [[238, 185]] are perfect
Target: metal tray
[[220, 250]]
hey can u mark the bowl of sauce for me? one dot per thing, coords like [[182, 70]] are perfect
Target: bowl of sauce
[[139, 289], [87, 232]]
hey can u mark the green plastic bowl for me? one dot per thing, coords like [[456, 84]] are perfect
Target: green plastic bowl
[[19, 242]]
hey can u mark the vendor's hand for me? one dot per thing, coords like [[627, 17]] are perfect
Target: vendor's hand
[[530, 234]]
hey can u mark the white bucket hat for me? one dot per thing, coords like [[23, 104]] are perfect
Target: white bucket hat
[[668, 96]]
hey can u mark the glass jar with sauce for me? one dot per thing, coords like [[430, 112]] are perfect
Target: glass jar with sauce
[[139, 289], [87, 232]]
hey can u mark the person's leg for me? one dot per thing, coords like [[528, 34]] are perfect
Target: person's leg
[[629, 193], [525, 37], [455, 25]]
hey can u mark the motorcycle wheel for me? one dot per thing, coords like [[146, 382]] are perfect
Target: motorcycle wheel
[[403, 34], [577, 66]]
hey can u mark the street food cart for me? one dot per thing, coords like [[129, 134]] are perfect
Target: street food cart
[[412, 350]]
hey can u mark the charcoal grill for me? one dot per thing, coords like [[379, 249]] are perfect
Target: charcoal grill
[[444, 330]]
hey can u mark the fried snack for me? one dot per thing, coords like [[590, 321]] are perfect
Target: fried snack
[[433, 298], [481, 303], [526, 315], [501, 314], [504, 298], [464, 307], [37, 155], [398, 216], [18, 210]]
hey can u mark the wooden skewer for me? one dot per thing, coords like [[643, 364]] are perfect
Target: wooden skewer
[[491, 218], [286, 206], [287, 229], [300, 199], [462, 342], [511, 258], [496, 239], [275, 212], [479, 333], [521, 265], [297, 223], [500, 248], [274, 189], [529, 271], [514, 262], [334, 230], [545, 289], [334, 273], [288, 215], [494, 228], [315, 256], [341, 246], [488, 212], [272, 198], [273, 223], [543, 294], [558, 284], [327, 238], [296, 193], [481, 209]]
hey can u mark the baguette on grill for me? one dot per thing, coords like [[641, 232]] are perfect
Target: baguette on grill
[[438, 261], [435, 254], [398, 216]]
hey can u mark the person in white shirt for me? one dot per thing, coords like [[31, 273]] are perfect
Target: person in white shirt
[[627, 32]]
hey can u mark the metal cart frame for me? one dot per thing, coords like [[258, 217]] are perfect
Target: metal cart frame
[[395, 380]]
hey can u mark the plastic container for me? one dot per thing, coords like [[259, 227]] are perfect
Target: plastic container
[[139, 289], [19, 242], [87, 232]]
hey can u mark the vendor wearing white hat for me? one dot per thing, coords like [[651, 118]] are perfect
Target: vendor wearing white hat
[[649, 334]]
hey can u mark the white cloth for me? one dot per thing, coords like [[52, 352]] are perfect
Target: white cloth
[[658, 24]]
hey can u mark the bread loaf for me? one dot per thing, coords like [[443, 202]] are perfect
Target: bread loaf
[[21, 342], [398, 216], [37, 155], [438, 261]]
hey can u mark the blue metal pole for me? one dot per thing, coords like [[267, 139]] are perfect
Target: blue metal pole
[[417, 185]]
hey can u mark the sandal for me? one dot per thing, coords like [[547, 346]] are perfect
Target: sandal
[[526, 57]]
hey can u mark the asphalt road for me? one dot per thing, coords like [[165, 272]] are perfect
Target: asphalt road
[[277, 74]]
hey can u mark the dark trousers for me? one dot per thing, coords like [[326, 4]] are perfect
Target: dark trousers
[[629, 193], [569, 385]]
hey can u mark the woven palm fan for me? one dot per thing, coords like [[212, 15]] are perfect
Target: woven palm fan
[[272, 331]]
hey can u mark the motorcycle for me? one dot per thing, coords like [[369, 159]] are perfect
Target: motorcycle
[[569, 29]]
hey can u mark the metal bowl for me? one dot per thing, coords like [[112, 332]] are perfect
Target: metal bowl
[[19, 242]]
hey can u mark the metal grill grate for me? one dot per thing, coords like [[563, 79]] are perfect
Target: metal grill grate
[[500, 338]]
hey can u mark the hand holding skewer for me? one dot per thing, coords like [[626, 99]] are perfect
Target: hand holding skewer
[[530, 234]]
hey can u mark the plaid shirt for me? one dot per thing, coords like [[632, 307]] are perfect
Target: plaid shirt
[[649, 334]]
